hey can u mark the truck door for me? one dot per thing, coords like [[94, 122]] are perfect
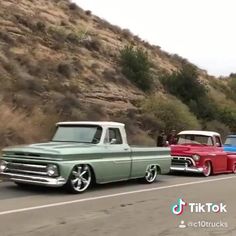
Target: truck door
[[220, 156], [117, 157]]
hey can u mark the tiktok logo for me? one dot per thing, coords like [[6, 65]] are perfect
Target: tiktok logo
[[178, 209]]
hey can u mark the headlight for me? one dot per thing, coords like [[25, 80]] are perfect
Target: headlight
[[52, 170], [3, 166], [196, 157]]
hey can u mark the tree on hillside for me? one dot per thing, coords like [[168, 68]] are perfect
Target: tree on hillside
[[185, 85], [136, 66], [232, 75]]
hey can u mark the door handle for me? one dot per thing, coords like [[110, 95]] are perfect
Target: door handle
[[126, 149]]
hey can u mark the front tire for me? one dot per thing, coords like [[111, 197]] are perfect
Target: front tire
[[151, 174], [80, 179], [207, 169]]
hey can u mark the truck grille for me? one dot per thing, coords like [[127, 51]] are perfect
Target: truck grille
[[182, 161], [26, 168]]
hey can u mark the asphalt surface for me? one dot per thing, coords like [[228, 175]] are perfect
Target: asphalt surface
[[120, 209]]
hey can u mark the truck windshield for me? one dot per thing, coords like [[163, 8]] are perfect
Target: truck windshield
[[194, 140], [79, 134], [230, 141]]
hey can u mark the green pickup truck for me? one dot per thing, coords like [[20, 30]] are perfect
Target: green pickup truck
[[81, 153]]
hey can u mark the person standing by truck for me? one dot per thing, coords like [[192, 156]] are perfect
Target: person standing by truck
[[172, 137], [161, 139]]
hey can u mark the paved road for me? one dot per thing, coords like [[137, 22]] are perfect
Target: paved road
[[119, 209]]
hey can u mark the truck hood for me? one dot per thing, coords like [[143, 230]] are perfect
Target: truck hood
[[189, 150], [49, 150]]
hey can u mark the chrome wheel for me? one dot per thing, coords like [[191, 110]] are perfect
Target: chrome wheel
[[151, 174], [207, 169], [80, 178]]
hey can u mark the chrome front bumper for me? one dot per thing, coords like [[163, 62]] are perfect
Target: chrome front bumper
[[35, 180], [187, 169]]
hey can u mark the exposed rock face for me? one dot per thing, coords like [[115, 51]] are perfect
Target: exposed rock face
[[62, 48]]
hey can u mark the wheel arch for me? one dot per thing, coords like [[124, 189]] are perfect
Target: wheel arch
[[94, 179], [67, 169], [158, 168]]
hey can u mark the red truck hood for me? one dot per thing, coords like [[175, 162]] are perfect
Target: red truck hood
[[188, 150]]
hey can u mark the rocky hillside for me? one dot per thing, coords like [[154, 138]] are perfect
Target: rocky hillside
[[59, 62]]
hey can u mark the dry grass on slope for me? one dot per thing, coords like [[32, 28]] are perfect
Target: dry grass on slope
[[17, 127]]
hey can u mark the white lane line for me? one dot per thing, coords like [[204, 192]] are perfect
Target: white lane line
[[111, 195]]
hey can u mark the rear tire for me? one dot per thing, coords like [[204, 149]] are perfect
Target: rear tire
[[80, 179], [207, 169], [151, 174]]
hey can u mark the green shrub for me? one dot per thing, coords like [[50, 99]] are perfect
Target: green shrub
[[136, 67], [232, 75], [185, 84], [232, 87], [218, 127], [204, 108], [170, 112], [227, 116]]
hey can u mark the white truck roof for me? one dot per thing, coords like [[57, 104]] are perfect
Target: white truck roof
[[104, 124], [100, 123], [199, 132]]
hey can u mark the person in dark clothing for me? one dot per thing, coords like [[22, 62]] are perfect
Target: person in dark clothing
[[161, 139], [172, 137]]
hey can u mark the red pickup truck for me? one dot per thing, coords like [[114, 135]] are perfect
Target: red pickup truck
[[201, 152]]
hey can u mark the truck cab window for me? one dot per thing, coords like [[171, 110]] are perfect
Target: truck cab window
[[113, 136], [218, 141]]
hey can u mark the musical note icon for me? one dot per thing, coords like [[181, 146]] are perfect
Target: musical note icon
[[178, 208]]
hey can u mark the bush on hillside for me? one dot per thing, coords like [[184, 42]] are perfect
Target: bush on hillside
[[73, 6], [64, 69], [227, 116], [204, 108], [136, 67], [185, 85], [218, 127], [232, 75], [170, 112], [232, 87]]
